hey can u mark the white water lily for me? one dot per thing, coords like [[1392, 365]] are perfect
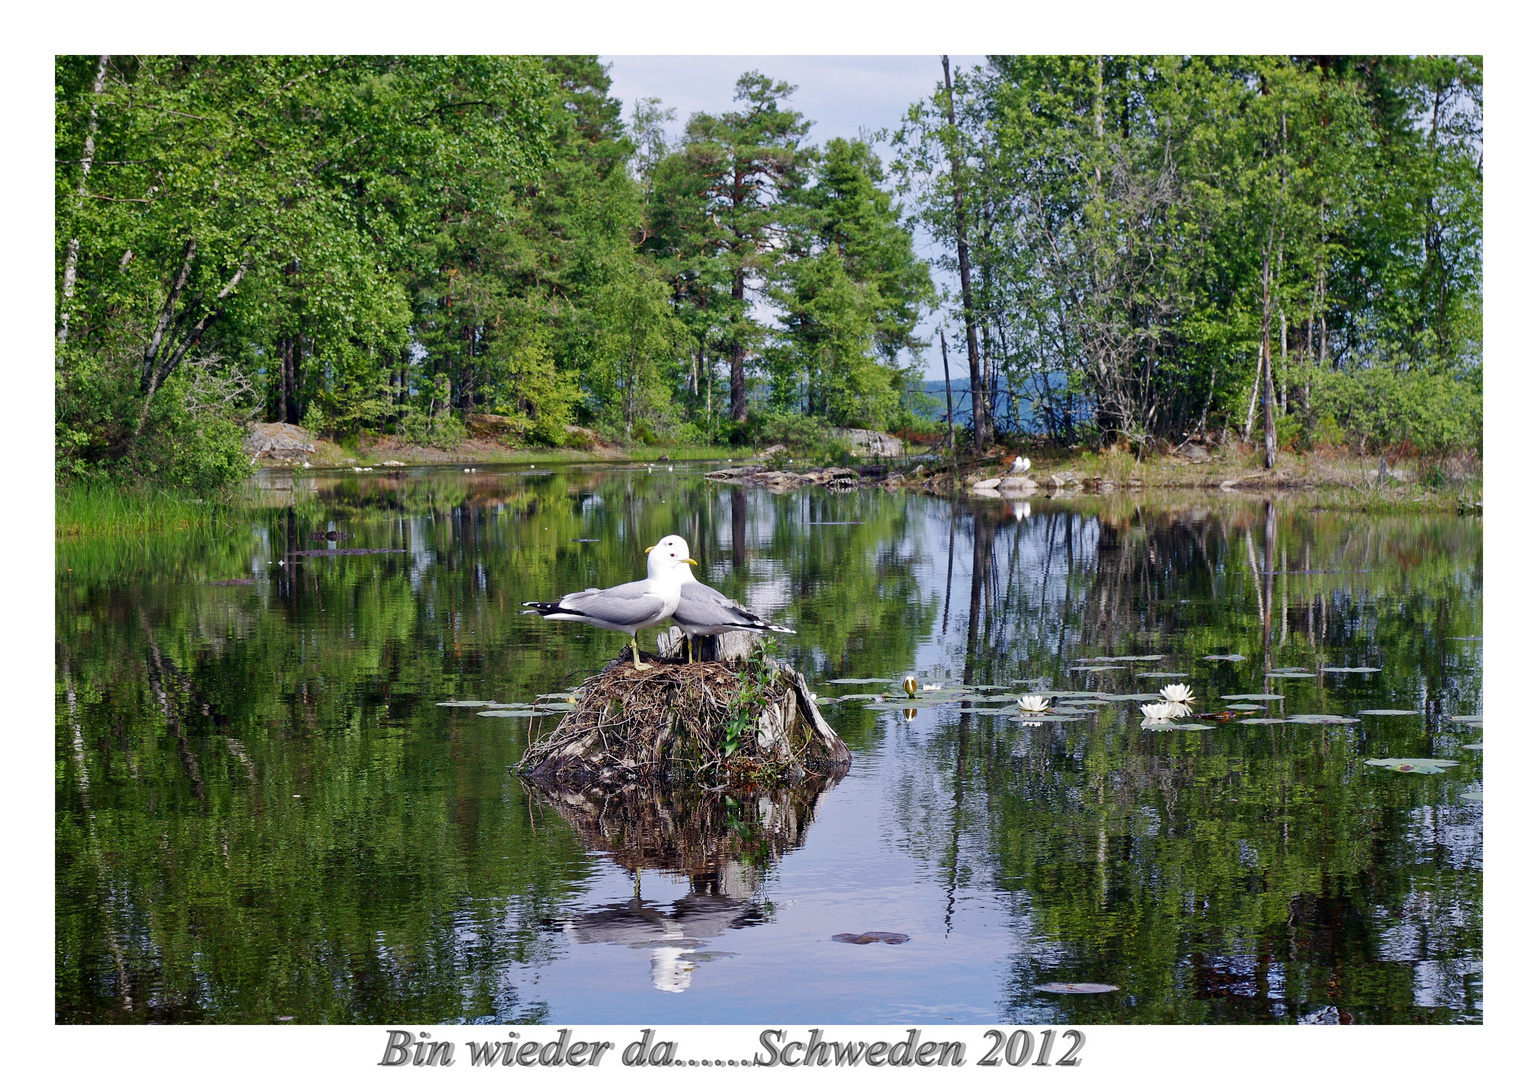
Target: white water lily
[[910, 684], [1179, 693], [1158, 712], [1033, 703]]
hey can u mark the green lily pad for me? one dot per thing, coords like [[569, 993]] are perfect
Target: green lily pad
[[1076, 988], [521, 714], [989, 712], [859, 682], [1252, 697], [1351, 670], [1097, 667], [1240, 706], [1474, 746], [1178, 727], [1115, 659], [1294, 668], [1388, 712], [1233, 656], [468, 704], [1412, 765], [1480, 719], [1289, 674], [1321, 718], [1164, 674], [1263, 720], [1473, 794]]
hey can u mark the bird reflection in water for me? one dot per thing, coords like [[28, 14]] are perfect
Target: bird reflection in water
[[720, 842]]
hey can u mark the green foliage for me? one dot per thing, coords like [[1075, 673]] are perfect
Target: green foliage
[[1140, 224], [1432, 411]]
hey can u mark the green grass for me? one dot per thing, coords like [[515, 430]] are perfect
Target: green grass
[[101, 510]]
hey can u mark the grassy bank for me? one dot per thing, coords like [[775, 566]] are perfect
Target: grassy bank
[[1330, 478], [90, 510]]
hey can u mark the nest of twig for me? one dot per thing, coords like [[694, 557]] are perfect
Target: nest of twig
[[727, 722]]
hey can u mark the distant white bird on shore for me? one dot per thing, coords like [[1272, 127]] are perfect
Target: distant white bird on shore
[[635, 605], [1021, 464]]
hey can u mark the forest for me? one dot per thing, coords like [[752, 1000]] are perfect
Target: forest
[[1134, 249]]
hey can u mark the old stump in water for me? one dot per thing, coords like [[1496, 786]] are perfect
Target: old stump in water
[[733, 722]]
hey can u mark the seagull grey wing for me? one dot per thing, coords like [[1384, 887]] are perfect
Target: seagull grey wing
[[624, 607], [704, 610]]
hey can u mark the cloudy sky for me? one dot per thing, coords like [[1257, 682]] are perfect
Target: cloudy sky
[[842, 95]]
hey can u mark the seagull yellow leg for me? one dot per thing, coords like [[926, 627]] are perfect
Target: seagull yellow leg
[[635, 651]]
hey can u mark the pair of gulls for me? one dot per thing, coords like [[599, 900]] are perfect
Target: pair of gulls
[[669, 591]]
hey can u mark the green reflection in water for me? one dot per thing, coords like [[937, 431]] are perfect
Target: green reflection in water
[[262, 812]]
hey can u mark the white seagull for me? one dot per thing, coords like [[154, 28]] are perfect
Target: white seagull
[[633, 606], [705, 612]]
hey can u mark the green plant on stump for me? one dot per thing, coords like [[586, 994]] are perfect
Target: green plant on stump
[[751, 701]]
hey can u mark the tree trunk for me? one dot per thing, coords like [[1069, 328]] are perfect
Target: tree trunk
[[739, 402], [72, 256], [950, 415], [982, 425], [1267, 383]]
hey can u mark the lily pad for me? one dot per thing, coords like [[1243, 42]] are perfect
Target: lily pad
[[885, 936], [1480, 719], [1233, 656], [1321, 718], [854, 682], [1388, 712], [1164, 674], [1351, 670], [1134, 697], [1263, 720], [1290, 669], [1473, 794], [1474, 746], [471, 704], [1252, 697], [1097, 667], [1245, 707], [1114, 659], [1289, 674], [521, 714], [1412, 765], [1076, 988], [987, 712]]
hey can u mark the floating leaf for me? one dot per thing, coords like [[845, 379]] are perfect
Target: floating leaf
[[1114, 659], [1389, 712], [1473, 794], [1480, 719], [1097, 667], [1243, 707], [521, 714], [1412, 765], [1252, 697], [1263, 720], [1474, 746], [1289, 669], [1076, 988], [1233, 656], [1321, 718], [852, 682], [1134, 697], [1350, 670], [1190, 727], [885, 936], [1164, 674], [1289, 674], [470, 704]]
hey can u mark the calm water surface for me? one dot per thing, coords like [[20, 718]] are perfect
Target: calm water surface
[[264, 814]]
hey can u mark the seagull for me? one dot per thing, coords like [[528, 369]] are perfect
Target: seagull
[[633, 606], [1021, 464], [705, 612]]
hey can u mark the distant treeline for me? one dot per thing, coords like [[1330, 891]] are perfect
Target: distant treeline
[[393, 244]]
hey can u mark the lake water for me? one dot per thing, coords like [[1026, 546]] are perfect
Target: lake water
[[264, 814]]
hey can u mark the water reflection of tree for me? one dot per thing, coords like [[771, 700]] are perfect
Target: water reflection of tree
[[1257, 878]]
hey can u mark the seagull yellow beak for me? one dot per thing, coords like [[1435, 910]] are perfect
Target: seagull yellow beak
[[691, 562], [649, 550]]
